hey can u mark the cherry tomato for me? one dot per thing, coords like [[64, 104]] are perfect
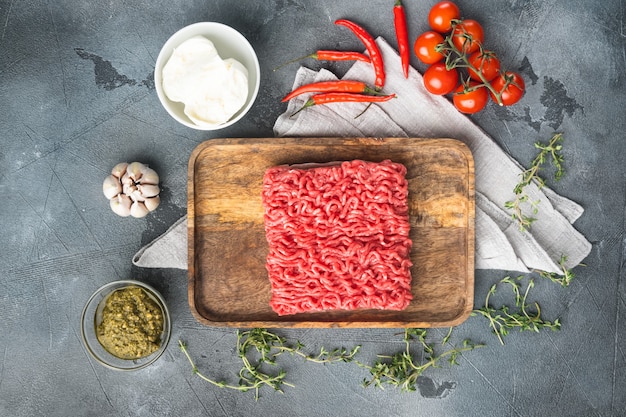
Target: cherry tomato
[[470, 99], [486, 62], [511, 87], [441, 15], [425, 45], [439, 80], [468, 35]]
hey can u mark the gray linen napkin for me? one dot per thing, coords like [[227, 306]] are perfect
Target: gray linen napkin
[[166, 251], [500, 244]]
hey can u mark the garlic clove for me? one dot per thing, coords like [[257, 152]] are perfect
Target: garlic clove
[[136, 195], [121, 205], [128, 188], [152, 203], [135, 170], [111, 187], [150, 176], [119, 169], [138, 209], [149, 190], [126, 179]]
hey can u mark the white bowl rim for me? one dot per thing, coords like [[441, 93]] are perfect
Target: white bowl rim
[[172, 42]]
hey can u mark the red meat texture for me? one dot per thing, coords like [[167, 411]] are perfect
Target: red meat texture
[[338, 237]]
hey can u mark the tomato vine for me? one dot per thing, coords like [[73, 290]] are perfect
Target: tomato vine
[[460, 44]]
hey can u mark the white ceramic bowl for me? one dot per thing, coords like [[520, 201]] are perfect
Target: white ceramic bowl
[[229, 44]]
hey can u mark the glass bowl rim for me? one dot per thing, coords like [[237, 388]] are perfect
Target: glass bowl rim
[[88, 326]]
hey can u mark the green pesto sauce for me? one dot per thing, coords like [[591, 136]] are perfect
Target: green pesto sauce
[[132, 323]]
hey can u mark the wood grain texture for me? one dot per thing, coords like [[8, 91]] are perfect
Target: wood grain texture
[[228, 283]]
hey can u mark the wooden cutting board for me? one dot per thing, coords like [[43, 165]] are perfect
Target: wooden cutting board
[[228, 283]]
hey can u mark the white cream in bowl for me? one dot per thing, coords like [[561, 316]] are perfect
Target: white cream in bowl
[[211, 89]]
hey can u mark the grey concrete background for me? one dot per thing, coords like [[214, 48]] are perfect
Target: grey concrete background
[[77, 96]]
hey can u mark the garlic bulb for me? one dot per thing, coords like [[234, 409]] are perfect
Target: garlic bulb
[[132, 189]]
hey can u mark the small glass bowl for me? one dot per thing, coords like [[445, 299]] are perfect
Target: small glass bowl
[[90, 322]]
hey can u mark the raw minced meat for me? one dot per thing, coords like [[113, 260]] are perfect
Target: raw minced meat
[[338, 237]]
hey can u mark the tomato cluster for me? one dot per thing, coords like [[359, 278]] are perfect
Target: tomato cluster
[[459, 65]]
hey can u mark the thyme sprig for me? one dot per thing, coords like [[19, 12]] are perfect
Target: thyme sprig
[[402, 369], [268, 346], [502, 320], [547, 152], [564, 278]]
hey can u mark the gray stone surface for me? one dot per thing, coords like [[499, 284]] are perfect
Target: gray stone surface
[[77, 96]]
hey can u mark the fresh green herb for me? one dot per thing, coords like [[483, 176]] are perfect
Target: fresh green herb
[[402, 369], [265, 341], [502, 320], [552, 152], [524, 221], [268, 347], [274, 381], [564, 278]]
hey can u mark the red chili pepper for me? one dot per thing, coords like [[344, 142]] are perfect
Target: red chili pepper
[[326, 98], [326, 55], [338, 86], [372, 50], [402, 36], [323, 55]]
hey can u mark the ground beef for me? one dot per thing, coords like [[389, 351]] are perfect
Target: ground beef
[[338, 237]]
